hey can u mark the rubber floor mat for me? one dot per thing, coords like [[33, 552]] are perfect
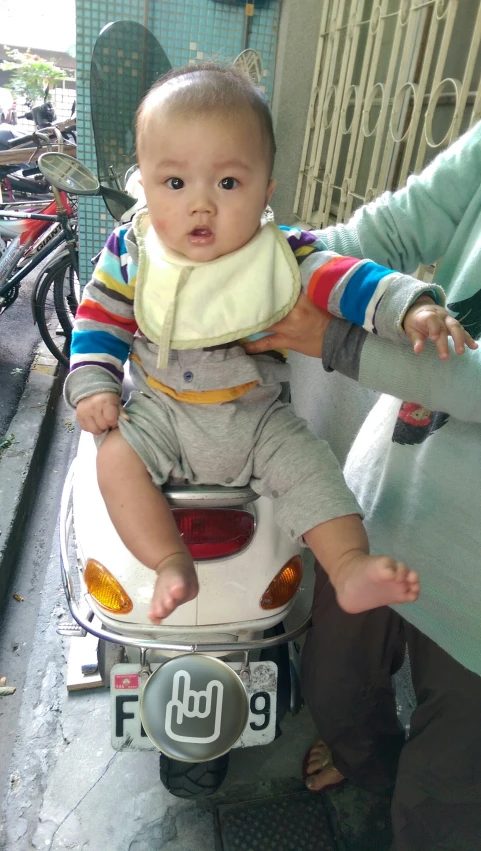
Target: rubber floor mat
[[299, 822]]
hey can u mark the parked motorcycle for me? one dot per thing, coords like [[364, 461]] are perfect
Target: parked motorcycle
[[22, 181]]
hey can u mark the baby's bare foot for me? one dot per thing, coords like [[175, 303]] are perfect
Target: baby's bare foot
[[366, 582], [176, 584]]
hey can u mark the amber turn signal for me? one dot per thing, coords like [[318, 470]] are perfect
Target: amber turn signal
[[284, 585], [106, 589]]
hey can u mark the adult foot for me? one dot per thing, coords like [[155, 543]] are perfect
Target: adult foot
[[367, 582], [318, 771], [176, 583]]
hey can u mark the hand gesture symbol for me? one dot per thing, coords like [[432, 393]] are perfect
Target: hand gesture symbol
[[194, 704]]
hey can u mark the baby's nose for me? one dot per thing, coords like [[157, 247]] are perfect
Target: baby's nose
[[203, 203]]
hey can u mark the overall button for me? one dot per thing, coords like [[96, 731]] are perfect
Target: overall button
[[188, 376]]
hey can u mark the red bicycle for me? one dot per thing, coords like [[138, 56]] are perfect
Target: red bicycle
[[26, 240]]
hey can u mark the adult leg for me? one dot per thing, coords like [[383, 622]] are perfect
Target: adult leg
[[347, 664], [437, 800]]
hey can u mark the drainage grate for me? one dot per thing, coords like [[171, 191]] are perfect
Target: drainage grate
[[299, 822]]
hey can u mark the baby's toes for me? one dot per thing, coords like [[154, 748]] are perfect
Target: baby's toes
[[154, 616], [390, 570], [401, 572], [161, 608]]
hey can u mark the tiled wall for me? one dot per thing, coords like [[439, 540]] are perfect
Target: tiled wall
[[189, 31]]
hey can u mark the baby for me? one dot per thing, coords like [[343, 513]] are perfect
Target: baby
[[179, 293]]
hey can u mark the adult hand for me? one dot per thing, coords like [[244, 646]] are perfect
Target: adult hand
[[302, 330]]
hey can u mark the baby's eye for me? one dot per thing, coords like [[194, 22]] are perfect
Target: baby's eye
[[175, 183], [229, 183]]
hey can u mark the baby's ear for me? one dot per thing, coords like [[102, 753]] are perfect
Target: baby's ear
[[270, 189]]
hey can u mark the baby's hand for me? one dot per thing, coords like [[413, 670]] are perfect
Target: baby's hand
[[426, 320], [99, 412]]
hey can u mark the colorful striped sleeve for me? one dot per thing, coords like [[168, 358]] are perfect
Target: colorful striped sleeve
[[360, 291], [104, 324]]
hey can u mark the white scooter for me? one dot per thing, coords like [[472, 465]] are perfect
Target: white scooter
[[220, 671]]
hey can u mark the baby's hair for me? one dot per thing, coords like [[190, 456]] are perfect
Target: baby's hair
[[219, 89]]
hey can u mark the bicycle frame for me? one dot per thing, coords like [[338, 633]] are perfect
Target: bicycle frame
[[57, 211]]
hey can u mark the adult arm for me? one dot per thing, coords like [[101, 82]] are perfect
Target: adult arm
[[416, 224], [451, 386]]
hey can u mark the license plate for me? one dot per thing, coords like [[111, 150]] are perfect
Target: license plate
[[126, 688]]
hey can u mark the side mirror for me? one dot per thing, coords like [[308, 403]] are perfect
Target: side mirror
[[65, 172], [68, 174]]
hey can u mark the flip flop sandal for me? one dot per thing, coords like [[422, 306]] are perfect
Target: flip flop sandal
[[327, 764]]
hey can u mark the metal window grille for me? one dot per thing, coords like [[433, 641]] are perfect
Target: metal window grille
[[394, 82]]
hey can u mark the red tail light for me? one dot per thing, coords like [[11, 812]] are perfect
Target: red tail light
[[214, 532]]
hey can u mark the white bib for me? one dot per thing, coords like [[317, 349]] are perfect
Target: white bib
[[181, 304]]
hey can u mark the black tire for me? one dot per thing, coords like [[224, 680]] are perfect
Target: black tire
[[55, 306], [189, 779], [108, 655]]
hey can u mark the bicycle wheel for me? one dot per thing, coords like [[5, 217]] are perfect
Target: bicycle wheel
[[55, 306]]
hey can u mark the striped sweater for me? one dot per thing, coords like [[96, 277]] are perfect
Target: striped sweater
[[106, 332]]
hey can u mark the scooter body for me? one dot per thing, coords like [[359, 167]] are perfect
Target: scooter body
[[207, 679]]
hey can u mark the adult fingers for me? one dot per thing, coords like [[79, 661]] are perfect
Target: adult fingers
[[265, 344]]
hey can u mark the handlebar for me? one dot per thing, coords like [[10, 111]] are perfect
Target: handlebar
[[21, 140], [41, 137]]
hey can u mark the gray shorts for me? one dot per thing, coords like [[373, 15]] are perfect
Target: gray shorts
[[254, 440]]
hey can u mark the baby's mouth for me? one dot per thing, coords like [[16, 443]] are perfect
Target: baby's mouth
[[201, 235]]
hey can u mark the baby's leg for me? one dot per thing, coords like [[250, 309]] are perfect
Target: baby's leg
[[143, 520], [361, 581], [302, 476]]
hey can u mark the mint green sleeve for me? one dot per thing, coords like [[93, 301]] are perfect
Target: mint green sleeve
[[449, 386], [416, 224]]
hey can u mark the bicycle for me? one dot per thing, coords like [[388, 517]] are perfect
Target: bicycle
[[34, 236]]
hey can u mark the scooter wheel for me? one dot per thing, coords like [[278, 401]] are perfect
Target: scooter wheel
[[189, 779], [108, 655]]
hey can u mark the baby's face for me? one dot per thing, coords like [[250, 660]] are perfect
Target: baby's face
[[206, 181]]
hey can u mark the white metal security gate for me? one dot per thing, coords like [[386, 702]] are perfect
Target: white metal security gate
[[394, 82]]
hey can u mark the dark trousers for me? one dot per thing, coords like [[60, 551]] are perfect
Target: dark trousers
[[435, 776]]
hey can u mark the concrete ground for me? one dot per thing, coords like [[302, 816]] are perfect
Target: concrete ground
[[19, 338], [30, 555], [22, 454], [68, 789]]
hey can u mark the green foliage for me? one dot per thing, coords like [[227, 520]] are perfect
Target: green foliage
[[30, 74], [6, 441]]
